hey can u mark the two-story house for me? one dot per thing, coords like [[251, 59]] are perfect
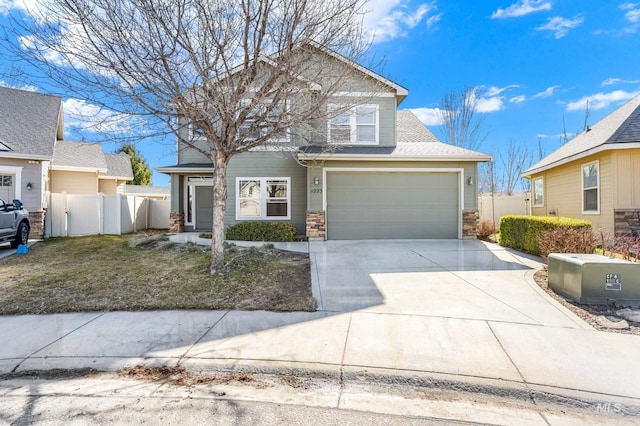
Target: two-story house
[[386, 175]]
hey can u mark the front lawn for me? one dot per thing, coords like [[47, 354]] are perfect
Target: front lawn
[[140, 272]]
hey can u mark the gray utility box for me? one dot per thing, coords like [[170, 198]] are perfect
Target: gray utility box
[[595, 279]]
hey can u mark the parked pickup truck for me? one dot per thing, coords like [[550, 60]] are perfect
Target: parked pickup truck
[[14, 223]]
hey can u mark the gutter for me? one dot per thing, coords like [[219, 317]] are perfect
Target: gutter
[[600, 148], [378, 157]]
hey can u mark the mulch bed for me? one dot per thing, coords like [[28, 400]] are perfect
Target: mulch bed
[[589, 313]]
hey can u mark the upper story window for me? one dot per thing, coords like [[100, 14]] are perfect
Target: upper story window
[[538, 192], [357, 125], [264, 120], [591, 188], [195, 132]]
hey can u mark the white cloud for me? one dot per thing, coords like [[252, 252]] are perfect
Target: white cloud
[[432, 21], [391, 19], [560, 26], [495, 103], [541, 136], [518, 99], [547, 93], [26, 87], [611, 81], [632, 12], [600, 100], [495, 91], [521, 8], [430, 116], [79, 114]]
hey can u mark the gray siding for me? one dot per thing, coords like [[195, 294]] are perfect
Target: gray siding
[[269, 164], [177, 193], [31, 172], [189, 155]]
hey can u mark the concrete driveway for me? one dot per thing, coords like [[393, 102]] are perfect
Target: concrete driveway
[[465, 279]]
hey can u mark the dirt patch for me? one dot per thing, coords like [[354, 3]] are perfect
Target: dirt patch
[[180, 377], [588, 313]]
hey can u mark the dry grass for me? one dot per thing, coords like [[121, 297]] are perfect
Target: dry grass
[[133, 273]]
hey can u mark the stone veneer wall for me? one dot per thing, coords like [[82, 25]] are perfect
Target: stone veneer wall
[[316, 224], [626, 222], [470, 219], [176, 222], [37, 224]]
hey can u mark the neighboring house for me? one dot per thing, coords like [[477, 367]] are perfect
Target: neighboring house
[[147, 191], [82, 168], [30, 125], [595, 176], [388, 176]]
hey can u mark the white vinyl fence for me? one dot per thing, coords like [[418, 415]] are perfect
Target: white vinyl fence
[[73, 215], [493, 206]]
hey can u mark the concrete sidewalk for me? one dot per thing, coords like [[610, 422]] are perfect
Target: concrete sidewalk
[[447, 313]]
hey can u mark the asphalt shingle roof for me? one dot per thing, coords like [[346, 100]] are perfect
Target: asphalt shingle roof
[[147, 190], [82, 155], [28, 122], [620, 127], [118, 165]]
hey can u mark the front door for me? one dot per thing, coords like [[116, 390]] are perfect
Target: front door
[[204, 208]]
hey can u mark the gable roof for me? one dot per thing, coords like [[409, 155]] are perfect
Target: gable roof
[[618, 130], [78, 156], [415, 142], [400, 92], [118, 166], [30, 124]]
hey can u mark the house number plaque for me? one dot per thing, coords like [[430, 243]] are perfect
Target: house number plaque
[[613, 281]]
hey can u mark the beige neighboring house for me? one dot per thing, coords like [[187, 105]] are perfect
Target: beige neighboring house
[[146, 191], [595, 176], [30, 125], [82, 168]]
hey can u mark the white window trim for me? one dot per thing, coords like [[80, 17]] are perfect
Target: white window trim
[[533, 190], [597, 188], [263, 199], [205, 181], [353, 125], [17, 182], [192, 133], [287, 137], [458, 171]]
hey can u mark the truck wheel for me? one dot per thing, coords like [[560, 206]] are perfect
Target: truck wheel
[[22, 236]]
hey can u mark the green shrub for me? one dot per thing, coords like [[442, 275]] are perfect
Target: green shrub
[[261, 231], [521, 232]]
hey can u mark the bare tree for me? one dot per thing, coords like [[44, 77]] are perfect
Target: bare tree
[[224, 76], [587, 115], [462, 121], [513, 164]]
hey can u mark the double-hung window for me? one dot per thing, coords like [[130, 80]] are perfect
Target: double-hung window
[[591, 188], [263, 120], [263, 198], [356, 125], [538, 192]]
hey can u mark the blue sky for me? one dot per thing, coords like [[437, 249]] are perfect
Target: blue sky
[[535, 62]]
